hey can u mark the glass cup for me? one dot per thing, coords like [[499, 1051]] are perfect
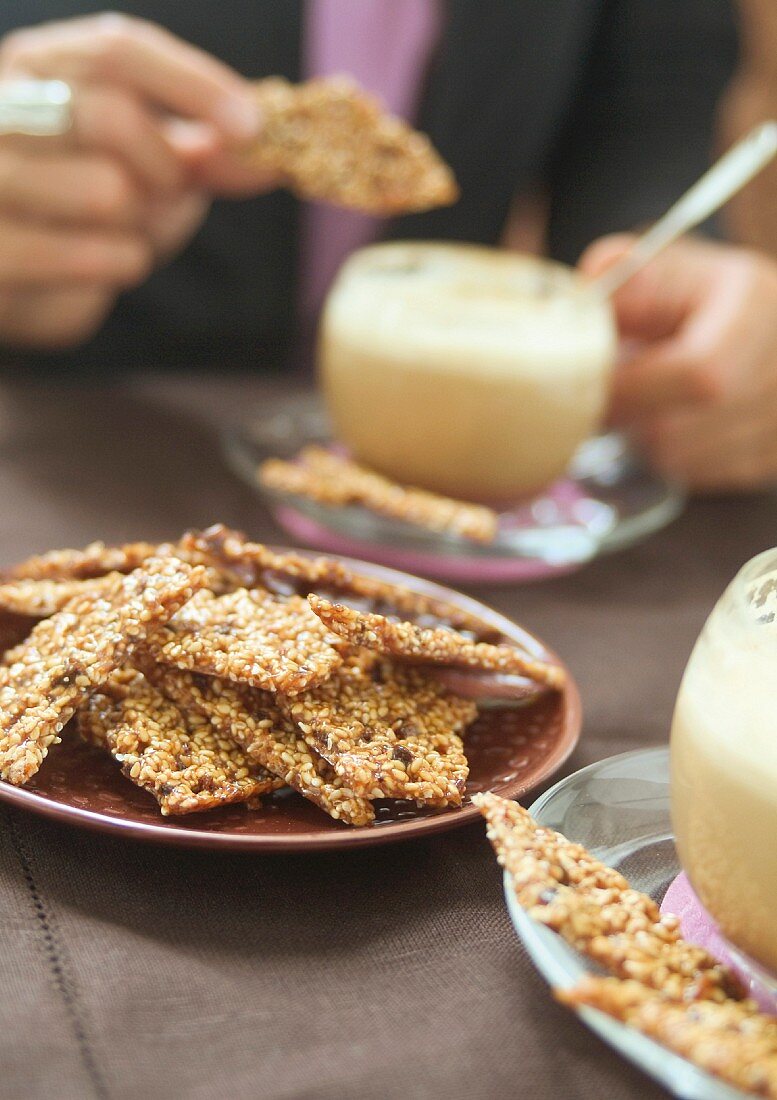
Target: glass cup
[[470, 371], [724, 767]]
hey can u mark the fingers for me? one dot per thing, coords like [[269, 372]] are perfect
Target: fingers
[[641, 309], [39, 255], [655, 302], [212, 166], [666, 376], [143, 58], [700, 390], [47, 319], [92, 191], [111, 121], [723, 350], [80, 189], [712, 451], [129, 77], [602, 254], [745, 472], [86, 215]]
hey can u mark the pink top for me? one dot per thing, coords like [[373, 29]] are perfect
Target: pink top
[[386, 46]]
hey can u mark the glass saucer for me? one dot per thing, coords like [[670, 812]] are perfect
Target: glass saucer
[[609, 500], [619, 810]]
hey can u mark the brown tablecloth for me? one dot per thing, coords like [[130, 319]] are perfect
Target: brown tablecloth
[[132, 971]]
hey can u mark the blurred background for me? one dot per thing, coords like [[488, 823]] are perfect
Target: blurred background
[[562, 122], [143, 240]]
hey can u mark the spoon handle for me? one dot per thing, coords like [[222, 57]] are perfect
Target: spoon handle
[[734, 169]]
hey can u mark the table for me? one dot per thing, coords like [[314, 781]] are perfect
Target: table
[[132, 971]]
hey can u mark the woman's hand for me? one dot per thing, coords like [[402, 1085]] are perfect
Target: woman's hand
[[698, 384], [88, 214]]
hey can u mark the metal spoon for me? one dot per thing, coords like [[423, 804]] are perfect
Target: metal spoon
[[734, 169]]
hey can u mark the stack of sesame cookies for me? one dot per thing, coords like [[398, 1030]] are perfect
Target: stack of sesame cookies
[[653, 980], [215, 671], [330, 478]]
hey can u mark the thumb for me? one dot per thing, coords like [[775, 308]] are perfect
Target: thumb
[[602, 254], [211, 166], [658, 299]]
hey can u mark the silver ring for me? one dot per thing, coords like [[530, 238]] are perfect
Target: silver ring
[[41, 108]]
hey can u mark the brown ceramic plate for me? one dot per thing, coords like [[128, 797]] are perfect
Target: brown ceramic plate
[[511, 751]]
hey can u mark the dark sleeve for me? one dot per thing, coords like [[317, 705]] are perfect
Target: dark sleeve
[[641, 128], [27, 13]]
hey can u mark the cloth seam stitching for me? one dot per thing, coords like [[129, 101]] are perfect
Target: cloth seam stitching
[[55, 957]]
